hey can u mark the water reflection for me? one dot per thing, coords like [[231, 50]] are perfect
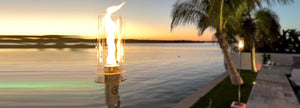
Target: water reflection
[[62, 79]]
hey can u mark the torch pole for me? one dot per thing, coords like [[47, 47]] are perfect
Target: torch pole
[[239, 87]]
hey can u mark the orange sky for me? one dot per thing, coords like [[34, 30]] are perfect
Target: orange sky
[[144, 19]]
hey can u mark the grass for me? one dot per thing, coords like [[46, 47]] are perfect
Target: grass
[[225, 93]]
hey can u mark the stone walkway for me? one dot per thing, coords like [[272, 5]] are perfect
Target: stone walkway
[[273, 90]]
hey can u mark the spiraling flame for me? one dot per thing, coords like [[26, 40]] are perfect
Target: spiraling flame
[[111, 29]]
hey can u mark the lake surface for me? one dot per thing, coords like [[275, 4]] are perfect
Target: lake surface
[[158, 76]]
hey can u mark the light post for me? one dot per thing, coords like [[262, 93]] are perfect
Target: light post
[[241, 47], [239, 104]]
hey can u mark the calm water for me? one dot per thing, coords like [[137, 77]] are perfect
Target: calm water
[[158, 76]]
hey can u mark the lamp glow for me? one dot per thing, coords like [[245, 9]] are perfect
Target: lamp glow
[[241, 44]]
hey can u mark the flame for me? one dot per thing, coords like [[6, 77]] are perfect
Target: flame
[[241, 44], [111, 29]]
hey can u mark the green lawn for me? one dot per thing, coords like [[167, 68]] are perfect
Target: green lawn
[[225, 93]]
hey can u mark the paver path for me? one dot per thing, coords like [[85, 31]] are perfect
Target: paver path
[[272, 89]]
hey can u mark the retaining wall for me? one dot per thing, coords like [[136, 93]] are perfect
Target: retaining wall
[[277, 58]]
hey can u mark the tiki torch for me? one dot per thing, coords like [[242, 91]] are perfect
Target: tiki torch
[[110, 45], [239, 104], [241, 47], [110, 54]]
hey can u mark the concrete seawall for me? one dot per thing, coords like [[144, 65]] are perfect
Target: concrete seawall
[[190, 100]]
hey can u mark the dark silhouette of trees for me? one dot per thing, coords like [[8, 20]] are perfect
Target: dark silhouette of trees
[[288, 42]]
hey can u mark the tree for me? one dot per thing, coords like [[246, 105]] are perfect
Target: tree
[[219, 15], [289, 41], [206, 14], [261, 28]]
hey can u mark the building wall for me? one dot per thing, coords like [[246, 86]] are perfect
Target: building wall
[[280, 59]]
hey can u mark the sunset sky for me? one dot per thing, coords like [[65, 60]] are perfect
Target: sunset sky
[[145, 19]]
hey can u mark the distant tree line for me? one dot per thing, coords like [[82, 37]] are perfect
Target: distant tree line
[[288, 41], [61, 41]]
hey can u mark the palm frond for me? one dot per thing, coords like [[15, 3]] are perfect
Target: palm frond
[[186, 13], [267, 21]]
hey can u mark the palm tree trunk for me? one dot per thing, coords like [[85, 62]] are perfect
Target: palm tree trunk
[[231, 69], [221, 16], [253, 62], [229, 66]]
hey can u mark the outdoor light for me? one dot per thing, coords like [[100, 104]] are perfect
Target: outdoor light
[[241, 47], [241, 44], [110, 46], [238, 104], [110, 54]]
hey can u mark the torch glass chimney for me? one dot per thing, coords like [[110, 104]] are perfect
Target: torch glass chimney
[[110, 42]]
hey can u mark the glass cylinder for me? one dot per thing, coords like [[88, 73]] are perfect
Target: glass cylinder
[[110, 47], [110, 41]]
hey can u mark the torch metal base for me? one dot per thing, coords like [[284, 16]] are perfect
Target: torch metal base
[[115, 73], [238, 105], [111, 71], [111, 75]]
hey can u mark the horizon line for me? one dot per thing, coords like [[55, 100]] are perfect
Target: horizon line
[[88, 37]]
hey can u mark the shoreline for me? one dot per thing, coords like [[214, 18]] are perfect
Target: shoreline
[[191, 99]]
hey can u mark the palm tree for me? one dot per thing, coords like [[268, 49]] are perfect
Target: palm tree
[[219, 15], [206, 14], [262, 28]]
